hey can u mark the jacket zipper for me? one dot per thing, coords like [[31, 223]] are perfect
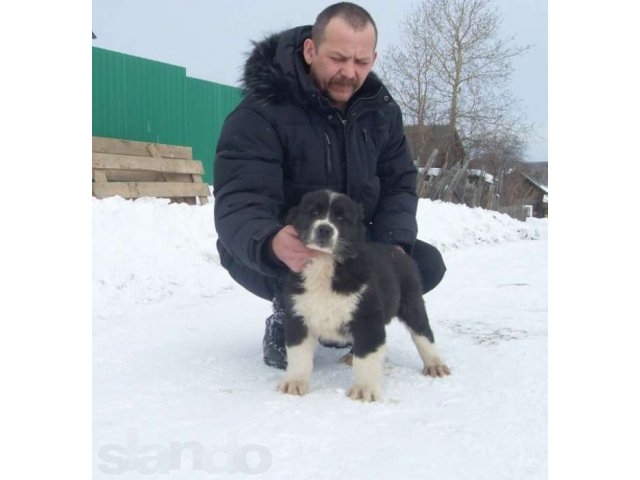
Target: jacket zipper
[[328, 157], [345, 127]]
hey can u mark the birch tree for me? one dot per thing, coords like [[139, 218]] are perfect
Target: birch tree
[[453, 68]]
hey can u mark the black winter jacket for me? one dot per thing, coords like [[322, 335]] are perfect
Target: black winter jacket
[[285, 139]]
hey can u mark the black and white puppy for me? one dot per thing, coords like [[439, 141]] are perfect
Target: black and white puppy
[[347, 294]]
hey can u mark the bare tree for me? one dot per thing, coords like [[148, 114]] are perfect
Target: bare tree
[[410, 68], [453, 68]]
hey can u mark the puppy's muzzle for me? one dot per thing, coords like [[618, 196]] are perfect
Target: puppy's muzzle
[[323, 236]]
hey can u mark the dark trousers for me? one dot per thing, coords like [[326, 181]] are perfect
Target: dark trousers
[[428, 258]]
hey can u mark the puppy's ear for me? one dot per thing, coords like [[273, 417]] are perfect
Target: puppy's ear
[[291, 215]]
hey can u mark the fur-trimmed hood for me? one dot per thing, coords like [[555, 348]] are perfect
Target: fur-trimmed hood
[[270, 73], [275, 70]]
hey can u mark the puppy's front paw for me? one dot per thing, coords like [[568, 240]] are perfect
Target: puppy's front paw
[[294, 386], [436, 369], [364, 393]]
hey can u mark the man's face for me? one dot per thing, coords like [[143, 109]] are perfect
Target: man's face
[[340, 64]]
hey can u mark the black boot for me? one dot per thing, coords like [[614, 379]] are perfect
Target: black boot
[[273, 349]]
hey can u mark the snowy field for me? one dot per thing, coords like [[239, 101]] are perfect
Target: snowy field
[[180, 390]]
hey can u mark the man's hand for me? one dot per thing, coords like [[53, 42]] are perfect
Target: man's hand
[[290, 250]]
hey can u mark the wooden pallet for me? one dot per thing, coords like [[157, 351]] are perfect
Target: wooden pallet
[[139, 169]]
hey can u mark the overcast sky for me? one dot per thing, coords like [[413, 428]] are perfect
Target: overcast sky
[[211, 38]]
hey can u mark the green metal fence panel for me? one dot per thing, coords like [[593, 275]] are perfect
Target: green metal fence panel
[[208, 105], [145, 100]]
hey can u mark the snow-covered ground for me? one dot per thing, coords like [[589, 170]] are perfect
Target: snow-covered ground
[[180, 390]]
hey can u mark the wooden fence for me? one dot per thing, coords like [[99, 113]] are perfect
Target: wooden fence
[[456, 184]]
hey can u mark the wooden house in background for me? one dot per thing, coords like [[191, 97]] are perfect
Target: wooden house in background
[[521, 189], [444, 173], [435, 145]]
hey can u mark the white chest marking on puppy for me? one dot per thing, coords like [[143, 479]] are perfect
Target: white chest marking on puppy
[[324, 310]]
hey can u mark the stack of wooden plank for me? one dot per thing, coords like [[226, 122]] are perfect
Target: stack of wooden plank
[[140, 169]]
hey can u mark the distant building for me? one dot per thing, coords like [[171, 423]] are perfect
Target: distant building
[[435, 145], [521, 189]]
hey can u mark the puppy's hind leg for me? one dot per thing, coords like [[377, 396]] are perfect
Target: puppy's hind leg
[[413, 313], [433, 365]]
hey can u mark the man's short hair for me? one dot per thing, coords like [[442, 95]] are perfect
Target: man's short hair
[[353, 14]]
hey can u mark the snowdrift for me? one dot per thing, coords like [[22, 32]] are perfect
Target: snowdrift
[[147, 250]]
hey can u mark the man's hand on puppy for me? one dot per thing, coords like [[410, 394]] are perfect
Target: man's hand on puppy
[[286, 245]]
